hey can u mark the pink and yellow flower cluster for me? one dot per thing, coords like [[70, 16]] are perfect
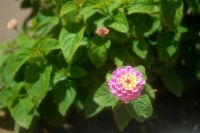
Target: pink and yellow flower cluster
[[126, 83]]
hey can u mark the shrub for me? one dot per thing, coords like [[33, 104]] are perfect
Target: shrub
[[60, 62]]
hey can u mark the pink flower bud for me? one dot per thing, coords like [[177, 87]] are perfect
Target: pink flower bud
[[12, 24], [102, 31], [126, 83]]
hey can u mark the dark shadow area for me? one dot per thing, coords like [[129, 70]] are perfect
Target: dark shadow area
[[171, 115]]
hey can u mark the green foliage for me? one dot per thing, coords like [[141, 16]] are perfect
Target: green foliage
[[166, 45], [122, 117], [69, 43], [173, 17], [120, 23], [91, 108], [141, 109], [195, 5], [23, 112], [59, 62], [103, 97], [173, 82], [97, 52], [149, 91], [68, 7], [39, 89], [64, 94], [140, 48]]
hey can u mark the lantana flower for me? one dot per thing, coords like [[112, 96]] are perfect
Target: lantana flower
[[126, 83], [102, 31]]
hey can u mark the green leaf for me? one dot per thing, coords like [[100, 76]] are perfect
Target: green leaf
[[143, 25], [195, 4], [4, 58], [50, 113], [149, 91], [68, 7], [25, 41], [45, 25], [155, 25], [8, 95], [171, 18], [143, 6], [81, 55], [197, 71], [90, 107], [141, 108], [32, 73], [23, 112], [15, 62], [119, 54], [104, 97], [87, 12], [97, 4], [101, 21], [76, 72], [59, 76], [140, 47], [64, 95], [70, 42], [48, 44], [120, 23], [173, 82], [166, 46], [121, 117], [97, 52], [39, 89], [142, 70]]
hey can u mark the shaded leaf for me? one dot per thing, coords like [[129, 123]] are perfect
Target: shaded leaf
[[172, 17], [32, 73], [122, 117], [39, 89], [166, 46], [144, 25], [140, 47], [173, 82], [64, 95], [119, 54], [91, 108], [76, 72], [195, 4]]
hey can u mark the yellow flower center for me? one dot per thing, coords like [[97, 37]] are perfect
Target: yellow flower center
[[128, 81]]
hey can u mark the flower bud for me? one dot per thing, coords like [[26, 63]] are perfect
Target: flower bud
[[102, 31], [12, 24]]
